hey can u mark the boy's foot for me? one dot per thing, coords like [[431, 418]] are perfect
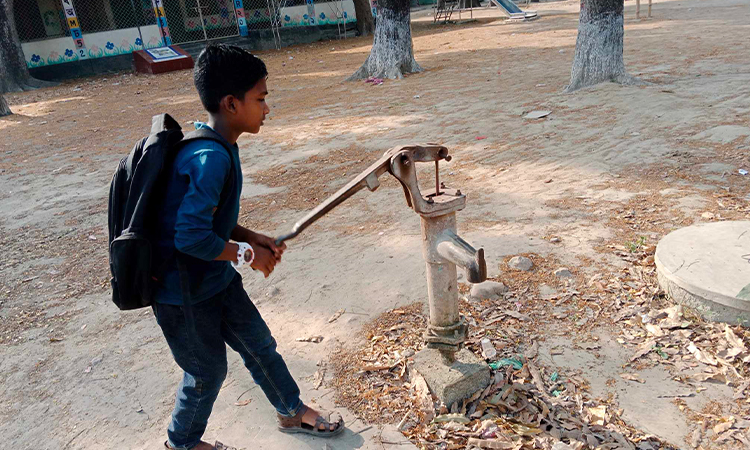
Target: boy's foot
[[310, 421]]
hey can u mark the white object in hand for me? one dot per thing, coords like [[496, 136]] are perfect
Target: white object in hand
[[244, 247]]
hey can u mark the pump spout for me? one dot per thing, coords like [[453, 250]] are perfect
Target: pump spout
[[462, 254]]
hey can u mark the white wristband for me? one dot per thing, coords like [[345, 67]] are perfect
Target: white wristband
[[244, 247]]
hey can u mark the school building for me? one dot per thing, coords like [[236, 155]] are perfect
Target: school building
[[54, 33]]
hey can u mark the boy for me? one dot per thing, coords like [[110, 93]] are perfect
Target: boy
[[198, 218]]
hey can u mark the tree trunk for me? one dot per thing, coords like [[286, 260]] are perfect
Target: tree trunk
[[599, 45], [4, 108], [365, 22], [14, 75], [392, 55]]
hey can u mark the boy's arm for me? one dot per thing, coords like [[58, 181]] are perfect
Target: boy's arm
[[194, 233], [206, 171]]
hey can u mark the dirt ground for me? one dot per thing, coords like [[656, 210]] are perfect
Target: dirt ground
[[609, 166]]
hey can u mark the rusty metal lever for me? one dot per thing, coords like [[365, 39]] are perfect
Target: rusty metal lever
[[399, 162]]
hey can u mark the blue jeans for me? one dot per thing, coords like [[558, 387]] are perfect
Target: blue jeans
[[228, 318]]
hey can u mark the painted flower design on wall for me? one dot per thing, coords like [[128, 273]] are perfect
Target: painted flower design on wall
[[322, 16], [35, 58], [110, 46], [124, 44], [54, 55], [346, 16], [287, 18], [69, 53], [191, 24], [138, 41], [95, 52]]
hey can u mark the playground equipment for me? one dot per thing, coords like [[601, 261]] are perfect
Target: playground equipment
[[638, 9], [513, 11], [444, 9]]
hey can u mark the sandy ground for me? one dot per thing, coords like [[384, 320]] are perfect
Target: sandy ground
[[77, 373]]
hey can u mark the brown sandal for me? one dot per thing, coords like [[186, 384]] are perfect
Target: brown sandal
[[295, 424]]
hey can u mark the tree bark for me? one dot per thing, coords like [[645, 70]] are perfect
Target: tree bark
[[599, 47], [4, 108], [14, 74], [365, 21], [392, 54]]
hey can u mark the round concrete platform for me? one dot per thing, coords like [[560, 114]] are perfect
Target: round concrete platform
[[707, 267]]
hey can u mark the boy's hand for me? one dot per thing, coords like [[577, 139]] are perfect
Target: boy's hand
[[262, 240], [265, 261]]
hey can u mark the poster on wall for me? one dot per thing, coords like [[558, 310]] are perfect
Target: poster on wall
[[50, 17]]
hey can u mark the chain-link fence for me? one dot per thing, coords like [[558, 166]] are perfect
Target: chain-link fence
[[46, 19], [104, 15], [38, 20], [200, 20]]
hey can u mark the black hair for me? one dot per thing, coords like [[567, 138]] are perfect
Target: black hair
[[226, 70]]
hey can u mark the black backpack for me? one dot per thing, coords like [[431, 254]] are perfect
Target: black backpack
[[135, 197]]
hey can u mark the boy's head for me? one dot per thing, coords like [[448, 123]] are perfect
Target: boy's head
[[231, 83]]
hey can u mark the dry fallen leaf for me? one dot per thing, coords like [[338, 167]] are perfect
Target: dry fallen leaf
[[598, 415], [733, 339], [654, 330], [318, 378], [313, 339], [445, 418], [632, 377], [701, 356], [643, 349], [336, 315], [724, 424], [701, 377], [494, 443]]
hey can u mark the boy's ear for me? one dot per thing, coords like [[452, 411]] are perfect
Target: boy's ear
[[229, 103]]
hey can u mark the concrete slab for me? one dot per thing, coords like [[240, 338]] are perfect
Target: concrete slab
[[467, 375], [707, 267]]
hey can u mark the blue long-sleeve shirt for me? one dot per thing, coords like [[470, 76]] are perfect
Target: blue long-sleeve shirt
[[190, 222]]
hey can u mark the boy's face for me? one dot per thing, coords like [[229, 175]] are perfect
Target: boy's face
[[252, 110]]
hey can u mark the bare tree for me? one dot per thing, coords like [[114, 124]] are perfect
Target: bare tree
[[599, 46], [365, 21], [14, 75], [4, 108], [392, 54]]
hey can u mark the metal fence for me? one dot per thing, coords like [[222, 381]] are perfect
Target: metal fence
[[200, 20], [105, 15], [188, 20], [39, 20], [45, 19]]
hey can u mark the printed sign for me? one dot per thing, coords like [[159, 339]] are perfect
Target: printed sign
[[164, 54]]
